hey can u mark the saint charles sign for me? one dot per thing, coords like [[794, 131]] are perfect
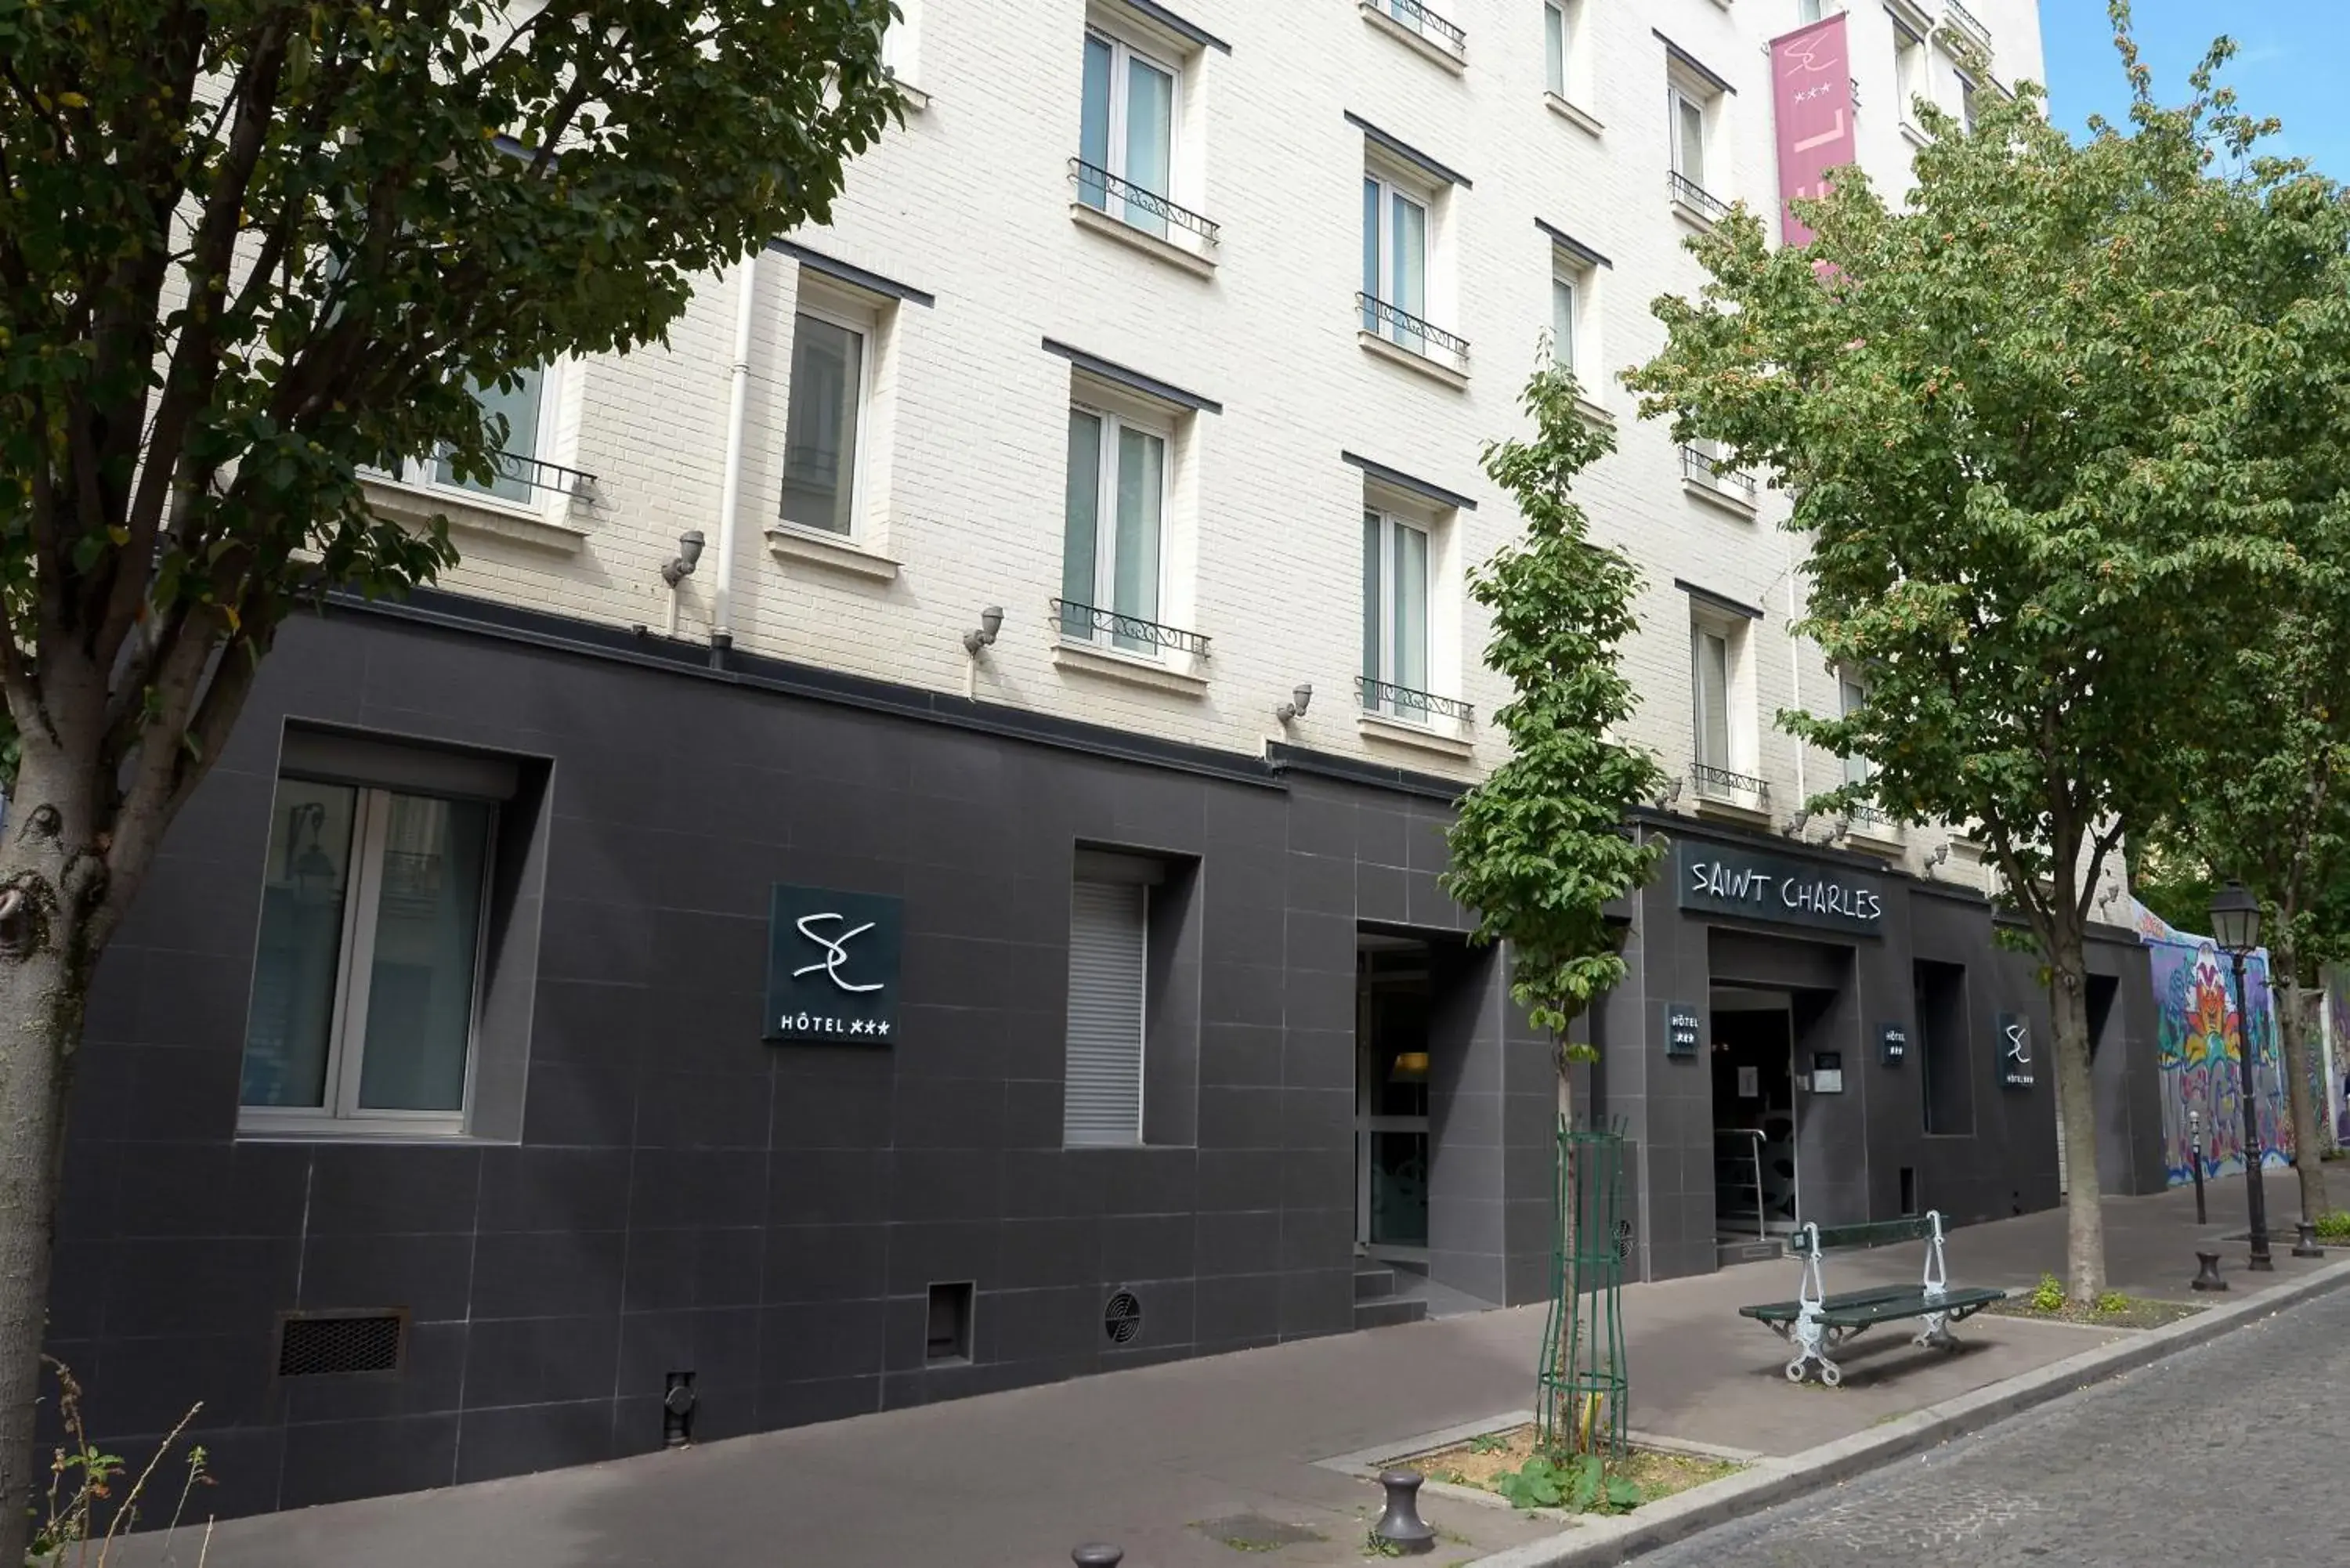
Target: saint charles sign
[[832, 965], [1785, 892]]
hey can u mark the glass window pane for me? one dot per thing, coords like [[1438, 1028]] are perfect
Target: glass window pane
[[1374, 665], [1080, 559], [1371, 281], [1562, 323], [1691, 147], [1409, 262], [1093, 132], [295, 973], [820, 427], [1713, 699], [420, 1014], [1150, 131], [1142, 481], [1554, 46], [1411, 651], [520, 409]]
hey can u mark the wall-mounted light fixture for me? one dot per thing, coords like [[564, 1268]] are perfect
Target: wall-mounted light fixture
[[1797, 823], [1672, 793], [991, 621], [1301, 697], [1941, 852], [689, 555]]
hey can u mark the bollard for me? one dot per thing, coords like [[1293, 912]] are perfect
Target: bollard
[[1401, 1525], [2305, 1242], [2207, 1272], [1097, 1557]]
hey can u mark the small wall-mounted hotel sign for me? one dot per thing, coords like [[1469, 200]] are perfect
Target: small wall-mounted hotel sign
[[2014, 1051], [832, 965], [1684, 1030], [1828, 1071], [1892, 1043]]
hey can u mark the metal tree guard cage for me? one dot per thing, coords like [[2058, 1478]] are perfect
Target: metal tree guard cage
[[1581, 1378]]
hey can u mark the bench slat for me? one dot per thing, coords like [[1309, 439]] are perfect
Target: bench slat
[[1880, 1305], [1880, 1233]]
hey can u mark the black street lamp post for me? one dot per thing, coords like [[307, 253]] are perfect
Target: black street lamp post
[[2236, 926]]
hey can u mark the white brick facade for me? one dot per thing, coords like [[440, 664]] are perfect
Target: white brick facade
[[966, 434]]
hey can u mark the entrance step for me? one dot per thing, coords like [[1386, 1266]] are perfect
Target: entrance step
[[1379, 1313], [1370, 1284], [1729, 1250]]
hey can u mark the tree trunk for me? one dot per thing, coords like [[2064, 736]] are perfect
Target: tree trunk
[[44, 893], [2294, 1033], [2085, 1221]]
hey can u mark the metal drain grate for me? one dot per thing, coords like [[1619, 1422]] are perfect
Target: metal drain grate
[[326, 1345], [1122, 1318]]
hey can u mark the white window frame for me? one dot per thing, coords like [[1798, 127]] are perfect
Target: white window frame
[[1913, 71], [340, 1113], [1679, 94], [1123, 51], [1558, 64], [1392, 190], [836, 311], [1113, 419], [1738, 729], [1391, 525], [417, 473], [1577, 277], [1967, 88], [1853, 694]]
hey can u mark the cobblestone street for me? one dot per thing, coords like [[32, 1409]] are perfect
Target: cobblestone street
[[2224, 1455]]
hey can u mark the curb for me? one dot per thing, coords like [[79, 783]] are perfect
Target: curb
[[1773, 1482]]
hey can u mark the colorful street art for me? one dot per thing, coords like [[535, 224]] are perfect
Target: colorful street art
[[2200, 1045]]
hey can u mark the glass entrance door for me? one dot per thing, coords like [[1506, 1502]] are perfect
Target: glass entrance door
[[1391, 1101]]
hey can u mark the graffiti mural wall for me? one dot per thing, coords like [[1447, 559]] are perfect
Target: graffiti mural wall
[[2201, 1040]]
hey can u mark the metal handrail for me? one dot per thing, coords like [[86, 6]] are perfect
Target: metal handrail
[[1448, 32], [1084, 619], [1968, 21], [535, 472], [1871, 815], [1754, 1153], [1376, 694], [1402, 322], [1696, 466], [1724, 779], [1688, 190], [1096, 184]]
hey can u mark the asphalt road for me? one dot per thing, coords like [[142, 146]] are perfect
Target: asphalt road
[[2228, 1455]]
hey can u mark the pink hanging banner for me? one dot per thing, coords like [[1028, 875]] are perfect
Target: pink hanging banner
[[1810, 79]]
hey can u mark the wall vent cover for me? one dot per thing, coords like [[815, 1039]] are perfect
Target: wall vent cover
[[323, 1344], [1122, 1318]]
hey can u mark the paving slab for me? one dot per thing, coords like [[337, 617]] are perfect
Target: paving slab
[[1143, 1457]]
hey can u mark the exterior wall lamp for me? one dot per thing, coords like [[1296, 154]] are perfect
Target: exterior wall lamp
[[1300, 698]]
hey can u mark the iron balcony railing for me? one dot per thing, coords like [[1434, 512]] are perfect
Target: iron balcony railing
[[1967, 21], [1708, 205], [531, 472], [1723, 783], [1696, 466], [1097, 187], [1405, 330], [1442, 31], [1869, 816], [1086, 622], [1386, 697]]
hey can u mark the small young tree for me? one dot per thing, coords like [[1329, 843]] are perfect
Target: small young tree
[[1542, 846], [246, 249], [2023, 418]]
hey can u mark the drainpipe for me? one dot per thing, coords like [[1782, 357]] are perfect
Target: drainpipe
[[1794, 669], [721, 588]]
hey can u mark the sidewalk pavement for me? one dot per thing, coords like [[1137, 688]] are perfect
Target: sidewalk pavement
[[1142, 1458]]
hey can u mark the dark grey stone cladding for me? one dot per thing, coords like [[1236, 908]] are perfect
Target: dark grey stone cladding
[[683, 1196], [686, 1197]]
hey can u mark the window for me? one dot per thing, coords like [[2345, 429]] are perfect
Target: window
[[1126, 145], [1395, 616], [1558, 40], [1852, 697], [1426, 18], [1113, 546], [1395, 263], [365, 978], [525, 407], [1110, 929], [1966, 103], [1712, 660], [1688, 131], [1570, 350], [1910, 61], [1810, 11], [824, 428], [1945, 1076]]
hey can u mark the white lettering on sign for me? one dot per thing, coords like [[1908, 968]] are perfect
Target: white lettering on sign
[[836, 951], [1744, 883]]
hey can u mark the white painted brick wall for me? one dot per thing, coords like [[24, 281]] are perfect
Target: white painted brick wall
[[970, 201]]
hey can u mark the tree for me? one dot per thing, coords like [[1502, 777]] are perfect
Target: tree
[[248, 249], [2020, 420], [1541, 847]]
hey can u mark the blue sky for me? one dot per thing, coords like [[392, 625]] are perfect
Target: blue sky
[[2288, 50]]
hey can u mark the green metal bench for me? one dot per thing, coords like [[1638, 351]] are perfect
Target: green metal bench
[[1816, 1323]]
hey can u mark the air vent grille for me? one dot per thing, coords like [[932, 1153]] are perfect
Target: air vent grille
[[1122, 1318], [329, 1344]]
